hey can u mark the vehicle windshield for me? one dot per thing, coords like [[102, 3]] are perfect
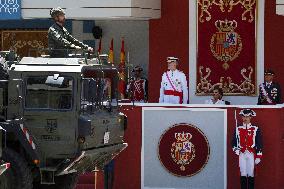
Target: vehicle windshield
[[49, 92], [99, 89]]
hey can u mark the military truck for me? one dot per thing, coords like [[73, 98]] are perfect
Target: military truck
[[61, 118]]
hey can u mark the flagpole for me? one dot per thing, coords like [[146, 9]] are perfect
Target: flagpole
[[128, 65]]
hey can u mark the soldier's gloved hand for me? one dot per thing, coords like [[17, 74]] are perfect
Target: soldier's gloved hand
[[257, 161], [237, 152], [90, 49], [75, 47], [78, 48]]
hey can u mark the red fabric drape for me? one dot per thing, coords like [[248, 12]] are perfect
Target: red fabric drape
[[226, 49]]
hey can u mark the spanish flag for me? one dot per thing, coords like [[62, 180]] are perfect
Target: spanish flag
[[121, 70], [110, 54]]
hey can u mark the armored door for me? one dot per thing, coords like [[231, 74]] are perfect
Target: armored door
[[49, 112]]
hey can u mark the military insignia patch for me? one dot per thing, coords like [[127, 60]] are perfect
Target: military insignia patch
[[183, 150], [226, 44], [51, 125], [274, 93]]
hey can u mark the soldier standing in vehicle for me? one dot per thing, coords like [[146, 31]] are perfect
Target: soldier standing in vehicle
[[59, 39], [174, 85]]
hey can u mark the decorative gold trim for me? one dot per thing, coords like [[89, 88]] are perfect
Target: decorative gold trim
[[3, 32], [205, 5], [205, 87], [208, 156], [255, 66]]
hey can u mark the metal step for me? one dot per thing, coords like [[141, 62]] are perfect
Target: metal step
[[47, 175]]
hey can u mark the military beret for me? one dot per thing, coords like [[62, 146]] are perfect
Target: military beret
[[172, 59], [56, 11], [137, 69], [269, 72], [247, 112]]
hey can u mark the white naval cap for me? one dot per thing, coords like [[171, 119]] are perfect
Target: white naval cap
[[247, 112], [172, 59]]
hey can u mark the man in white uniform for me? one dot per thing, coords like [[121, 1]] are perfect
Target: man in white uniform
[[174, 85]]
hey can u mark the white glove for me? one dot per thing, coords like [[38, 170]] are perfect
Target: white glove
[[257, 161], [90, 49], [75, 47], [237, 152]]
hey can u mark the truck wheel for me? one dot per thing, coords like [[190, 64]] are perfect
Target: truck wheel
[[18, 176]]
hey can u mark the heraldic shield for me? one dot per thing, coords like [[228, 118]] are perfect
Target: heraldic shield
[[226, 44], [183, 150]]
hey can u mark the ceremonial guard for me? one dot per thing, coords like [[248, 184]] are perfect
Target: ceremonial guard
[[269, 91], [59, 39], [247, 144], [137, 88], [174, 85]]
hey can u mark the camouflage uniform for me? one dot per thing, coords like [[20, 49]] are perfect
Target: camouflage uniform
[[60, 38]]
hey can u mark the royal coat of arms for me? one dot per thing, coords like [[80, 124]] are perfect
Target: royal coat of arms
[[182, 150], [226, 44]]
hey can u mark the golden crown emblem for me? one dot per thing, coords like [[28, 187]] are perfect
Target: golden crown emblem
[[183, 136], [226, 25]]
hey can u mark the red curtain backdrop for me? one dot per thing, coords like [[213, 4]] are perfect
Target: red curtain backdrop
[[270, 172], [127, 168], [274, 41], [226, 48], [168, 36]]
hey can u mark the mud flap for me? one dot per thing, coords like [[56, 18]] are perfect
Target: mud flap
[[90, 159]]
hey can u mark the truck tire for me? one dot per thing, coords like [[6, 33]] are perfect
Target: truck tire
[[18, 176]]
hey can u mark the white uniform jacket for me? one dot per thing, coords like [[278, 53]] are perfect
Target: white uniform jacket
[[174, 88], [210, 101]]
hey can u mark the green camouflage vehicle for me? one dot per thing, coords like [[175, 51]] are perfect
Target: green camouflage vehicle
[[61, 118]]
